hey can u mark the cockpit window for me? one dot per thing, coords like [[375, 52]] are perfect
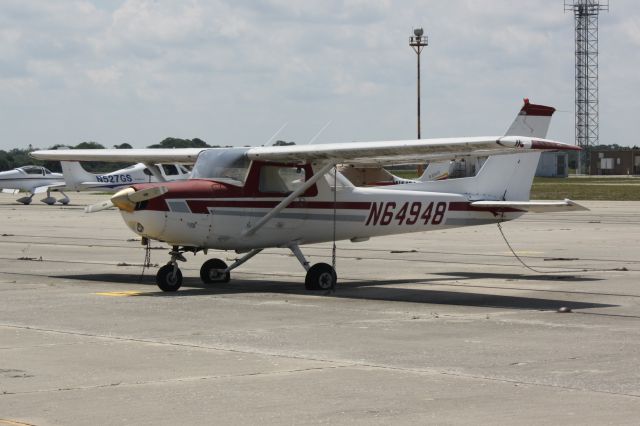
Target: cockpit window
[[224, 164], [169, 169], [33, 170]]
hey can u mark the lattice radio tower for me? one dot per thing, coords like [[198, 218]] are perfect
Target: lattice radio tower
[[586, 19]]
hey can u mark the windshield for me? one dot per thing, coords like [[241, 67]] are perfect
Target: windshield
[[223, 164]]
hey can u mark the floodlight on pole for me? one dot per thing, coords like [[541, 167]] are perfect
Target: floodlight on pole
[[418, 41]]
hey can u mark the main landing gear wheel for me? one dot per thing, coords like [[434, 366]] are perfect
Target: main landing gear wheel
[[320, 277], [212, 271], [169, 278]]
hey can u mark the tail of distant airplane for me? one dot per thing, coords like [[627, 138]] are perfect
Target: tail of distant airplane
[[436, 170], [75, 174]]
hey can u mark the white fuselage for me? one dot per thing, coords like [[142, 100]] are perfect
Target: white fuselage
[[360, 213], [77, 179], [28, 178]]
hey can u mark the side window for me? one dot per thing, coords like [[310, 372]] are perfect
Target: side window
[[280, 179], [33, 170], [169, 169]]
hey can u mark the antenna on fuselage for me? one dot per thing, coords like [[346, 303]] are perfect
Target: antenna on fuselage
[[313, 139]]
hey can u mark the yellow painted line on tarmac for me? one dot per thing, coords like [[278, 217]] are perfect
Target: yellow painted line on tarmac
[[119, 293], [14, 423]]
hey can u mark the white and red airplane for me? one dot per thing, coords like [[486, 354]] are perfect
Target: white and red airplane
[[249, 199]]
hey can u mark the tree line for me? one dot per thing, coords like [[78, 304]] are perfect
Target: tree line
[[18, 157]]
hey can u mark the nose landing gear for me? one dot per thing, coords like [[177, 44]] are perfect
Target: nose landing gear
[[169, 277]]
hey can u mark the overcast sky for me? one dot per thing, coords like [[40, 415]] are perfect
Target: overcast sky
[[232, 72]]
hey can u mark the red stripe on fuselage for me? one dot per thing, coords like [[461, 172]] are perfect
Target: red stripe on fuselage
[[201, 195], [202, 206]]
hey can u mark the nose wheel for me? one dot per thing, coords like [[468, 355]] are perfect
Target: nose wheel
[[169, 277]]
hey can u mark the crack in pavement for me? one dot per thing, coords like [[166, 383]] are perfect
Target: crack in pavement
[[336, 364], [174, 380]]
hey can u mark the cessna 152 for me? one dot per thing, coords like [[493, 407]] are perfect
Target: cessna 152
[[33, 179], [249, 199]]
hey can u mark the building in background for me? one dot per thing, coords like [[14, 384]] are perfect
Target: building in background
[[553, 164], [615, 162]]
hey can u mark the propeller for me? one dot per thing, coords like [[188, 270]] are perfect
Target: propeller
[[127, 198]]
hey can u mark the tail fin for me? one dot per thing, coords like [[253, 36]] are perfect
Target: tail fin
[[503, 177], [75, 175], [532, 120], [436, 170]]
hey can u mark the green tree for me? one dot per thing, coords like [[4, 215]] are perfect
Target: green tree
[[88, 145], [181, 143]]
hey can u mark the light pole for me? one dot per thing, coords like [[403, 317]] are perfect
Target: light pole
[[418, 41]]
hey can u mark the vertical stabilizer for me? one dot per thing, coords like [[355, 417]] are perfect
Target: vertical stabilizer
[[501, 177], [75, 175], [532, 121]]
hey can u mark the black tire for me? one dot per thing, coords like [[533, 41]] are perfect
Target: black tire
[[167, 280], [210, 272], [321, 276]]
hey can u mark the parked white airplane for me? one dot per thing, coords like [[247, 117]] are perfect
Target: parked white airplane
[[37, 179], [76, 178], [33, 179], [249, 199]]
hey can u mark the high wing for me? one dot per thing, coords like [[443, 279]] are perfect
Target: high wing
[[352, 152], [405, 151], [178, 155]]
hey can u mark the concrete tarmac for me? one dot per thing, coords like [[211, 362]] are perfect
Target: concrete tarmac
[[445, 327]]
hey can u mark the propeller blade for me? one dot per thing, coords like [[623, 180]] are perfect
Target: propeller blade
[[147, 194], [127, 198], [103, 205]]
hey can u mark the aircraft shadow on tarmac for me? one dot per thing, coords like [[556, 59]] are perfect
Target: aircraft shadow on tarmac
[[372, 290]]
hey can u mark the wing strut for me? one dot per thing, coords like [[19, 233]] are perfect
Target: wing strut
[[155, 171], [284, 203]]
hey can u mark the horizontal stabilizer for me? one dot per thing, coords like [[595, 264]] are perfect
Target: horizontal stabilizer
[[533, 206]]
